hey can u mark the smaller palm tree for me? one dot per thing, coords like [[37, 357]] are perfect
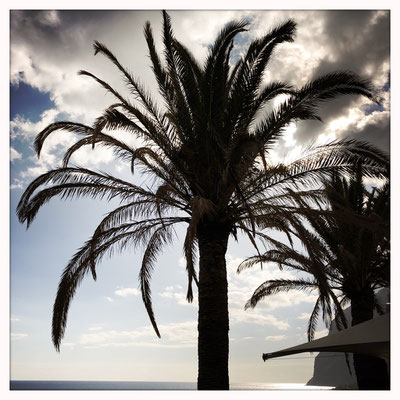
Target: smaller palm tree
[[347, 259]]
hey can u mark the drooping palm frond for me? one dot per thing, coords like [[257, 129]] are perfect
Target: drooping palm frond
[[313, 320], [120, 149], [73, 182], [275, 286], [137, 233], [161, 236], [74, 127]]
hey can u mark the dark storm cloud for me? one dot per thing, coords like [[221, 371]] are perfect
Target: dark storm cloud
[[375, 132], [357, 41], [74, 30]]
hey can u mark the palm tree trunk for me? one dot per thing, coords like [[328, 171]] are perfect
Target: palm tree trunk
[[213, 322], [371, 372]]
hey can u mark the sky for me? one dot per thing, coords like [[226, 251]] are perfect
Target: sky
[[109, 336]]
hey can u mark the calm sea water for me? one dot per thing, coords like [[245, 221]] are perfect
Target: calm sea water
[[104, 385]]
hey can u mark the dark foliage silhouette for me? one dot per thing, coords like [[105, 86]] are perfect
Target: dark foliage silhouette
[[348, 258], [206, 150]]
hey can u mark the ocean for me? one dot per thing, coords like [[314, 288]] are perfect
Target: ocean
[[115, 385]]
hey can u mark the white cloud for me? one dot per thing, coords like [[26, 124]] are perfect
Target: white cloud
[[88, 157], [304, 316], [317, 334], [355, 119], [289, 299], [258, 318], [110, 299], [33, 172], [25, 129], [321, 333], [276, 338], [18, 336], [14, 155], [125, 292], [50, 17], [17, 184], [182, 262], [14, 319], [68, 345], [173, 335], [95, 328], [178, 294]]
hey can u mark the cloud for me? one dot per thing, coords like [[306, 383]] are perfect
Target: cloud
[[24, 129], [95, 328], [49, 17], [178, 294], [304, 316], [18, 336], [182, 262], [14, 155], [276, 338], [126, 292], [321, 333], [317, 334], [174, 335], [68, 345], [17, 184], [258, 318]]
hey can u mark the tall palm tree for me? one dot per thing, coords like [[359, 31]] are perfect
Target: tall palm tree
[[348, 259], [206, 151]]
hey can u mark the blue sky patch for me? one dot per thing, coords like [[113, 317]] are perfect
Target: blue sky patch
[[28, 102]]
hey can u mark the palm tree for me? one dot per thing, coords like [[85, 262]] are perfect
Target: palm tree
[[348, 259], [206, 151]]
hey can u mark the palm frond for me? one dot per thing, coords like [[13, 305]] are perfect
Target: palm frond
[[74, 182], [312, 322], [189, 249], [275, 286], [120, 149], [73, 127], [159, 238]]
